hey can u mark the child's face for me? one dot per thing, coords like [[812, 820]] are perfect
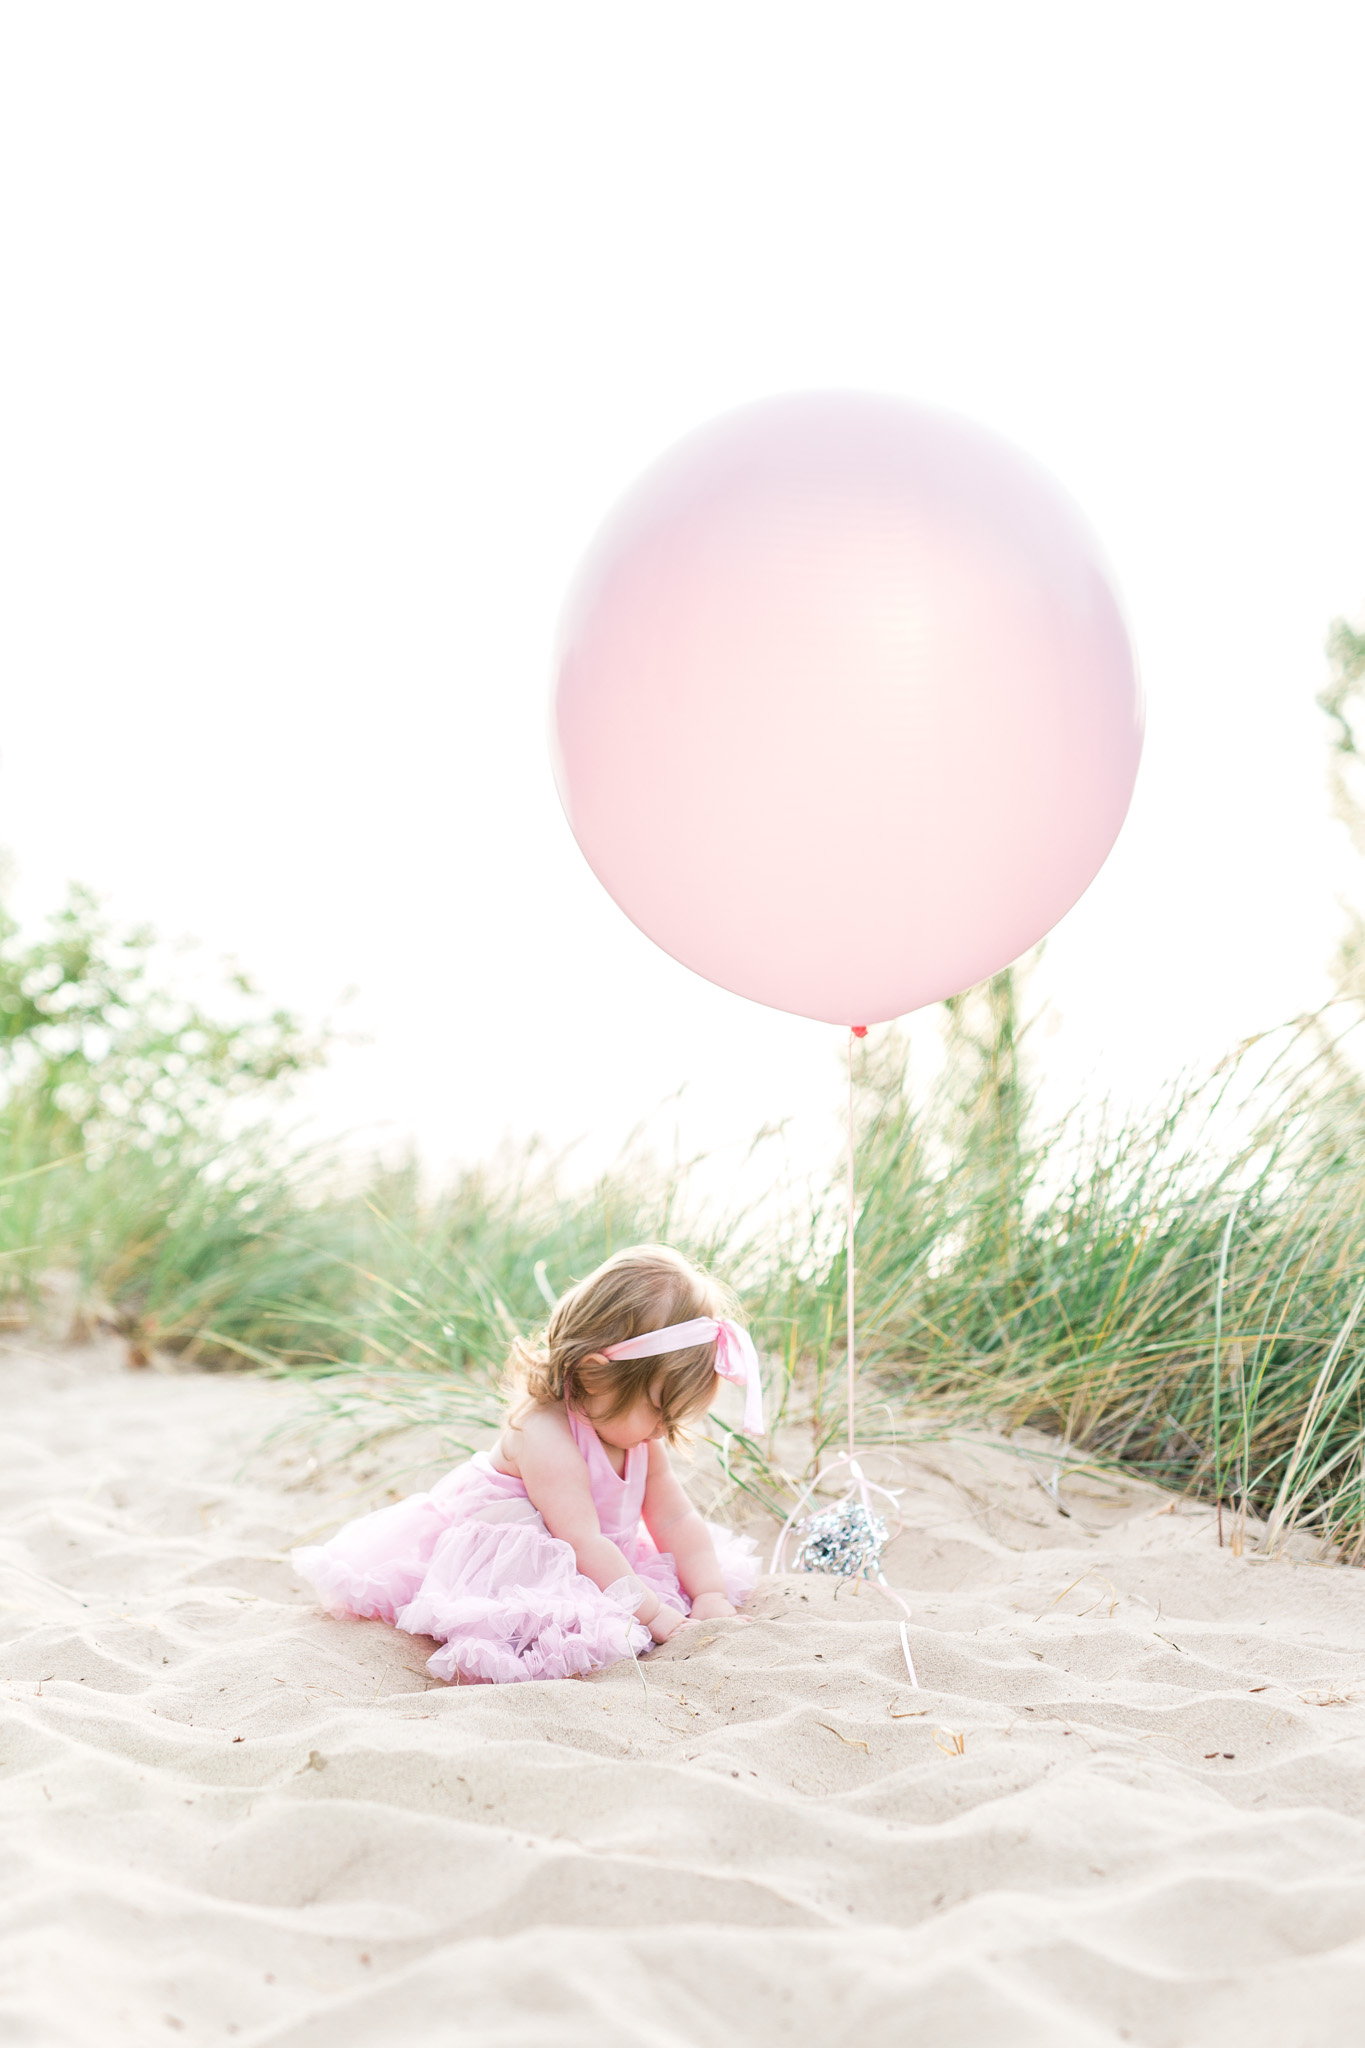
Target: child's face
[[641, 1424]]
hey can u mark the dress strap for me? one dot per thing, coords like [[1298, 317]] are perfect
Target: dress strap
[[584, 1435], [618, 1496], [595, 1451]]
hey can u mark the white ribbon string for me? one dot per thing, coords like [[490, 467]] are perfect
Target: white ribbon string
[[848, 1252]]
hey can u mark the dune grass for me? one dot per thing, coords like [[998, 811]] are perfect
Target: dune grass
[[1182, 1293]]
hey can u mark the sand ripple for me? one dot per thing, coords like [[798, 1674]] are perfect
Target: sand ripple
[[1127, 1803]]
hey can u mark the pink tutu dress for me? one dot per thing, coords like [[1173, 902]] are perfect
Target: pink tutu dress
[[473, 1564]]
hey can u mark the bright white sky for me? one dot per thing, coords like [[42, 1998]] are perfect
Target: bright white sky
[[332, 331]]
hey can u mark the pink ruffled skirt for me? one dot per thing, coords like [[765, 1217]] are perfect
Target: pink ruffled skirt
[[473, 1564]]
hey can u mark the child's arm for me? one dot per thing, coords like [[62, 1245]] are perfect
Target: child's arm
[[676, 1526], [556, 1481]]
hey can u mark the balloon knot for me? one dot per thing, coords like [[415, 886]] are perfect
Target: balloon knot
[[858, 1030]]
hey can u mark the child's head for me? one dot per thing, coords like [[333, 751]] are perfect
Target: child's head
[[646, 1288]]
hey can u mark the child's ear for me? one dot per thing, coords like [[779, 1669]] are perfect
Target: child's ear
[[574, 1389]]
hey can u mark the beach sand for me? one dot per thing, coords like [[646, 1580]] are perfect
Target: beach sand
[[1126, 1804]]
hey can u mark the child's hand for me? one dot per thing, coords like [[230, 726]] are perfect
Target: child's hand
[[665, 1622], [710, 1607]]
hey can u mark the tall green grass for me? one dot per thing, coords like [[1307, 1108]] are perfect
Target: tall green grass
[[1183, 1292]]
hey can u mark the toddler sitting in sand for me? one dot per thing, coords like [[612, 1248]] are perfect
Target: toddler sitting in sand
[[570, 1544]]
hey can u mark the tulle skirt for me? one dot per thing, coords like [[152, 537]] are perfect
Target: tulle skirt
[[473, 1564]]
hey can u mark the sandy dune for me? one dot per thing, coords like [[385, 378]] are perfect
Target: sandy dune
[[1128, 1803]]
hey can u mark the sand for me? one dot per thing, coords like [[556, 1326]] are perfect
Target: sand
[[1127, 1803]]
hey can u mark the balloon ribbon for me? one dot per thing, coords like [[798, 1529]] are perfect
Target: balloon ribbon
[[846, 1540]]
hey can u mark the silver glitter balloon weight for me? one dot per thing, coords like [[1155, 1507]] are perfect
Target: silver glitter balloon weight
[[846, 1540]]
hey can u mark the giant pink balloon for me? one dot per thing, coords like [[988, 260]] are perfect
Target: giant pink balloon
[[845, 715]]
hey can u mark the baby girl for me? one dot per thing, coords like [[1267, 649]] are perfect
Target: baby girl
[[571, 1544]]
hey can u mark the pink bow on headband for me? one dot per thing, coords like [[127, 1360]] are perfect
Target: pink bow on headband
[[736, 1358]]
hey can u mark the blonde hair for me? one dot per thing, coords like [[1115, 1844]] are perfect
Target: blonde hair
[[645, 1288]]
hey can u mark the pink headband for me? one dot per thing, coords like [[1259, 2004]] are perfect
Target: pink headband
[[736, 1358]]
